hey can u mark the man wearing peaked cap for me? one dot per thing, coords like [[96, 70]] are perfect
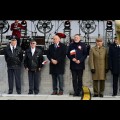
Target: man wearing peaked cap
[[99, 67], [14, 58], [99, 40]]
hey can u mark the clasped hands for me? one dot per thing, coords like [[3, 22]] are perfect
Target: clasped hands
[[54, 61], [76, 61]]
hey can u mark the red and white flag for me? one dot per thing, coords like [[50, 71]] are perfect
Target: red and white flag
[[44, 62], [72, 52]]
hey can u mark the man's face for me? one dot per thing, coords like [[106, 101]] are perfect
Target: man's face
[[100, 43], [76, 38], [56, 39], [16, 21], [13, 43], [33, 44], [116, 41]]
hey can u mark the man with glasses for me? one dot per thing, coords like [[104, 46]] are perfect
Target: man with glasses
[[33, 64]]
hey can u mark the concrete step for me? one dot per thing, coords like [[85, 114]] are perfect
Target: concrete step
[[51, 97]]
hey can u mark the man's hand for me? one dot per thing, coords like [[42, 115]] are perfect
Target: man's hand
[[74, 59], [106, 70], [54, 61], [26, 69], [93, 71], [78, 61]]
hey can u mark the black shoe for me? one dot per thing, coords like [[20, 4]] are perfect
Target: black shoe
[[80, 94], [75, 94], [30, 93], [101, 95], [95, 95], [36, 93], [18, 92], [114, 94], [10, 92]]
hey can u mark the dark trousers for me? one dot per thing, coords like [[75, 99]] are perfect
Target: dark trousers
[[14, 73], [55, 79], [77, 81], [34, 81], [115, 83], [98, 86]]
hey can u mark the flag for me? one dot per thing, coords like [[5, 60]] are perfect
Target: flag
[[44, 62], [72, 52]]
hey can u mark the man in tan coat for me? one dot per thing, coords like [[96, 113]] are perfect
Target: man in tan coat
[[99, 68]]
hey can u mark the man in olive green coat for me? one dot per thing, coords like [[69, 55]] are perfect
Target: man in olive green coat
[[99, 67]]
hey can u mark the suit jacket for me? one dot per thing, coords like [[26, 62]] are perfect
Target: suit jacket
[[81, 54], [33, 62], [16, 32], [58, 54], [13, 60], [114, 59]]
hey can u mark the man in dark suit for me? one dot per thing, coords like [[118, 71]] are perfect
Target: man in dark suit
[[33, 64], [56, 55], [14, 57], [114, 64], [16, 30], [77, 53]]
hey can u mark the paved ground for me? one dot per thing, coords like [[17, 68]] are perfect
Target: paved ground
[[50, 97]]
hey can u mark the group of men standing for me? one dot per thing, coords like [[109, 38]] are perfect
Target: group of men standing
[[100, 62], [33, 60], [32, 63]]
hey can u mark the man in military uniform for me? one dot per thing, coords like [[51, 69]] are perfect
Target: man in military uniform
[[98, 61]]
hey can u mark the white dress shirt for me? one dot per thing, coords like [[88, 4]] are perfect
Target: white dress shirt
[[32, 50], [11, 47], [56, 45]]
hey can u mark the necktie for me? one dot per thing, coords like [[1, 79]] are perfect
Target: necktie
[[55, 46], [13, 49]]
